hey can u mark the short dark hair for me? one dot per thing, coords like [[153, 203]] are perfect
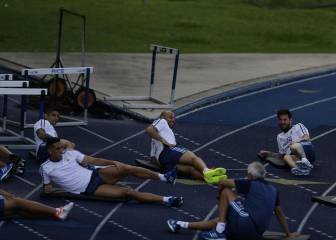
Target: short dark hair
[[284, 112], [51, 108], [50, 141]]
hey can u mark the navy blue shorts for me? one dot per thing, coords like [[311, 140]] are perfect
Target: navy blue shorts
[[309, 151], [94, 183], [42, 153], [170, 156], [2, 207], [239, 224]]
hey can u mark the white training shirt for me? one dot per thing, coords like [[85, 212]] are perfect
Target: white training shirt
[[295, 134], [67, 173], [48, 128], [165, 132]]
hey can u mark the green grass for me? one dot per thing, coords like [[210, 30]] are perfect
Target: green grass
[[191, 25]]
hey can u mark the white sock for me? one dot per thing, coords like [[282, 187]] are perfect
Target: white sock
[[183, 224], [162, 177], [220, 227], [205, 170], [166, 199]]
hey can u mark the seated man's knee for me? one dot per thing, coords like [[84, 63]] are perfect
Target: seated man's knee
[[295, 146], [128, 193]]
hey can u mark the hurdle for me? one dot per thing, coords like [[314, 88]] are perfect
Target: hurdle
[[6, 77], [86, 71], [23, 92], [158, 104]]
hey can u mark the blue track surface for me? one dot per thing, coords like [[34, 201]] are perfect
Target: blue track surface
[[226, 134]]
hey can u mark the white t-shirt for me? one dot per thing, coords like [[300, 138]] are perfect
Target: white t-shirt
[[165, 132], [48, 128], [295, 134], [67, 173]]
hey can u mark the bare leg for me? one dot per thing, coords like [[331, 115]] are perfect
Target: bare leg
[[186, 170], [119, 192], [203, 225], [226, 196], [2, 164], [266, 154], [113, 174], [21, 207], [4, 152], [290, 160], [189, 158], [297, 150]]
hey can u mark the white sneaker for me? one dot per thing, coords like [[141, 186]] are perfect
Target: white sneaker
[[63, 212], [304, 164]]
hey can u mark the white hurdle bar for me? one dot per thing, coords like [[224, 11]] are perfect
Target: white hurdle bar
[[23, 92], [13, 83], [60, 71], [6, 76]]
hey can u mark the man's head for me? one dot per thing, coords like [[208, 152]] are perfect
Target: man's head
[[284, 119], [169, 117], [256, 170], [55, 148], [52, 115]]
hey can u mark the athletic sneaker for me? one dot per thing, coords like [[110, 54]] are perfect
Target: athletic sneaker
[[5, 171], [171, 176], [175, 201], [173, 226], [300, 172], [213, 235], [214, 172], [304, 164], [215, 179], [63, 212]]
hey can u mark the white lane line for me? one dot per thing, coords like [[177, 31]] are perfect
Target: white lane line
[[256, 92], [206, 219], [29, 229], [106, 218], [95, 134], [118, 142], [312, 209], [260, 121], [24, 180]]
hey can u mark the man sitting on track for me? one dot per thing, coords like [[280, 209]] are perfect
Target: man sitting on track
[[168, 154], [240, 219], [64, 168], [44, 129], [295, 147], [11, 206]]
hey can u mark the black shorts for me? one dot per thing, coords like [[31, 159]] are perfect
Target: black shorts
[[170, 156], [94, 183], [239, 224]]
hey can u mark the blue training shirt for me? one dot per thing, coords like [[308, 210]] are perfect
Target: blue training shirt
[[260, 201]]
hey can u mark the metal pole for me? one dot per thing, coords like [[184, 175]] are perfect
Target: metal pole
[[4, 112], [87, 85], [59, 37], [83, 40], [152, 72], [174, 77]]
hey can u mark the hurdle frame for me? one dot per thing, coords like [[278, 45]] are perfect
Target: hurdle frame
[[5, 76], [23, 92], [158, 104], [85, 71]]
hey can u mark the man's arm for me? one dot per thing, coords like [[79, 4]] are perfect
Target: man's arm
[[5, 194], [152, 132], [282, 220], [41, 133], [226, 183], [97, 161]]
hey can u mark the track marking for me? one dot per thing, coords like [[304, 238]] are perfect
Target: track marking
[[206, 219], [95, 134], [24, 180]]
